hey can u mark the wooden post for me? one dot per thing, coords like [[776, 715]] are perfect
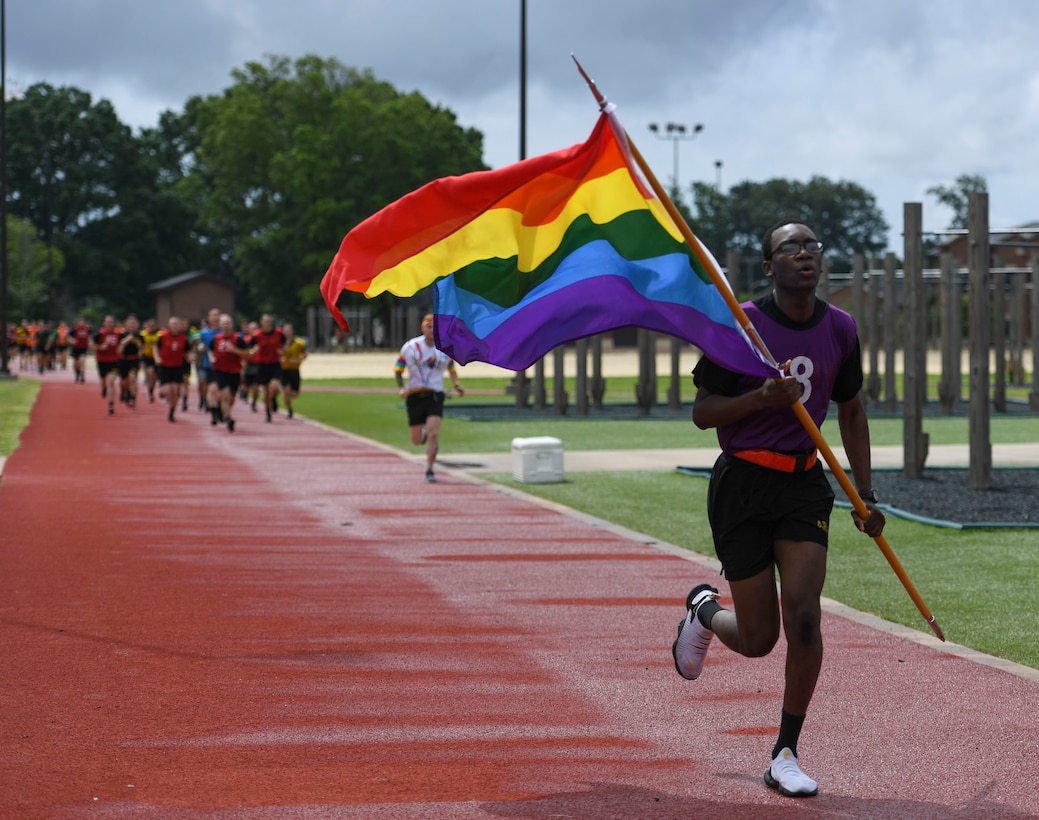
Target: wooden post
[[540, 394], [521, 387], [873, 329], [674, 390], [581, 349], [999, 336], [1016, 366], [598, 382], [559, 397], [914, 353], [1033, 397], [978, 322], [890, 342], [646, 387], [732, 271], [950, 389], [412, 320], [858, 295], [858, 299]]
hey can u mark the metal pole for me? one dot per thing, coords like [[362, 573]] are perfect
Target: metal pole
[[674, 141], [522, 388], [523, 81], [5, 371]]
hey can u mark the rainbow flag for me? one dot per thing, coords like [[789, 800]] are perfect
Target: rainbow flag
[[540, 253]]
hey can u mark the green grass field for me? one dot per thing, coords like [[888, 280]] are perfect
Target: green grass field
[[981, 585], [16, 400], [381, 416]]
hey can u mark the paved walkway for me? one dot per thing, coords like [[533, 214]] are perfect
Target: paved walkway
[[624, 362], [951, 455], [288, 622]]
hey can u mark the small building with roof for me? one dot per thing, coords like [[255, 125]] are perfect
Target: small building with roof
[[191, 295], [1010, 247]]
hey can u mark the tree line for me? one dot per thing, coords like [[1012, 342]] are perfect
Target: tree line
[[258, 185]]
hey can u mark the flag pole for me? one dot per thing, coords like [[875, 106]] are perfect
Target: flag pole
[[710, 266]]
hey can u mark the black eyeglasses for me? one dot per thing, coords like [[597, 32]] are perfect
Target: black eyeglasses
[[792, 248]]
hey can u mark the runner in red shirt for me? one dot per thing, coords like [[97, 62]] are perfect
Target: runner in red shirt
[[79, 341], [130, 360], [268, 344], [170, 355], [228, 351], [106, 354], [250, 390]]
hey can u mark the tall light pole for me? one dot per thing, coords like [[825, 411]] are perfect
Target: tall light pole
[[4, 370], [520, 383], [718, 174], [523, 81], [676, 132]]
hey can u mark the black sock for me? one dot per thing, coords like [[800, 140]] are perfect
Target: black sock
[[789, 732], [706, 612]]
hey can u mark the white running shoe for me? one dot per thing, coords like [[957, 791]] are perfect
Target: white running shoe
[[785, 775], [690, 647]]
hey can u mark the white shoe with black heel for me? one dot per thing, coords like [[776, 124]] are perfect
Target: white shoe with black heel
[[786, 776]]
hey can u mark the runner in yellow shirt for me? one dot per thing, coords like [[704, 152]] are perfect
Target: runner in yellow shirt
[[150, 334], [292, 357]]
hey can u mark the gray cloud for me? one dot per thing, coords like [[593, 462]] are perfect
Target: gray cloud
[[895, 96]]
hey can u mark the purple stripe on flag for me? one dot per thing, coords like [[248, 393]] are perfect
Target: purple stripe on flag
[[588, 307]]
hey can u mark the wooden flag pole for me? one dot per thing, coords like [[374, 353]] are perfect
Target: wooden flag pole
[[709, 265]]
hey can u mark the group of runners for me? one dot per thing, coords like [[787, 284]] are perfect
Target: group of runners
[[39, 345], [258, 362]]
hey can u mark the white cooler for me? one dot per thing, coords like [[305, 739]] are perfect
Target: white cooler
[[537, 460]]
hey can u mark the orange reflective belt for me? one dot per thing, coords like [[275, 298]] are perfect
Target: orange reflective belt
[[780, 461]]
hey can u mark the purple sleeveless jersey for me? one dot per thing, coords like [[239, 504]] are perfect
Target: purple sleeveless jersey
[[816, 353]]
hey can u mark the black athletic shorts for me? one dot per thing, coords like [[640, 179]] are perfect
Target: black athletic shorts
[[104, 368], [128, 366], [751, 507], [225, 381], [170, 375], [423, 405], [290, 380], [267, 373]]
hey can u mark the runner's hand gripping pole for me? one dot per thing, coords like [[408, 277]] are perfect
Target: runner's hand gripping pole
[[810, 426]]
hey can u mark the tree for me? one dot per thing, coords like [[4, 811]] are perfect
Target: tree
[[101, 196], [295, 154], [956, 196], [843, 214], [63, 157], [29, 262]]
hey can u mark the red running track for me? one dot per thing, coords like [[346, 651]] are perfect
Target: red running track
[[288, 622]]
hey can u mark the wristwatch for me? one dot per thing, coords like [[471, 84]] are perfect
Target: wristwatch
[[870, 495]]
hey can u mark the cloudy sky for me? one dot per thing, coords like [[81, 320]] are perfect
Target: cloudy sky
[[895, 95]]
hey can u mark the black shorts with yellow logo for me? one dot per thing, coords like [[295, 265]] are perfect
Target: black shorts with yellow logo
[[751, 507]]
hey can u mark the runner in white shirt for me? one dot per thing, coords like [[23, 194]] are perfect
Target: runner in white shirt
[[424, 391]]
